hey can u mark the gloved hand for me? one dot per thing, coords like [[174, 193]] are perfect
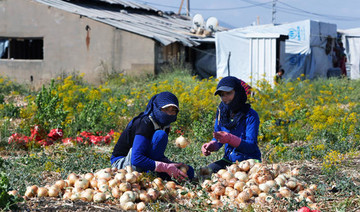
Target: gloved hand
[[170, 168], [209, 147], [225, 137]]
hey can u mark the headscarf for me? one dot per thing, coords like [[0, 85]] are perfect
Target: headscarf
[[237, 107], [155, 104]]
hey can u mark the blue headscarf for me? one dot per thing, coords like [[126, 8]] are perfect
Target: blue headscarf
[[231, 113], [156, 103]]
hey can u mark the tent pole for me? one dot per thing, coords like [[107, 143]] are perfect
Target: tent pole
[[228, 63]]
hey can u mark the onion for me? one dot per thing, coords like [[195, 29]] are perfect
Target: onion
[[75, 196], [255, 189], [89, 176], [14, 193], [72, 178], [120, 177], [125, 187], [295, 172], [290, 184], [102, 182], [171, 185], [233, 168], [206, 185], [67, 195], [232, 182], [130, 177], [42, 192], [115, 192], [244, 166], [104, 188], [313, 187], [280, 181], [87, 195], [54, 191], [113, 183], [129, 169], [184, 168], [233, 194], [216, 203], [154, 194], [145, 197], [127, 196], [181, 142], [242, 176], [264, 188], [81, 183], [285, 192], [243, 197], [31, 191], [227, 175], [221, 171], [61, 184], [141, 206], [219, 190], [104, 174], [129, 206], [158, 183], [239, 186], [252, 162], [99, 197], [271, 184], [93, 183]]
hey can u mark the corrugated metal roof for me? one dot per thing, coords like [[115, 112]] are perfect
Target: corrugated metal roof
[[132, 5], [165, 29]]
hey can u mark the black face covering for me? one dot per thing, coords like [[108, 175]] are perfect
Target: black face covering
[[231, 113]]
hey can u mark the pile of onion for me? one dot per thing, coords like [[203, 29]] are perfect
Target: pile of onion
[[129, 188], [251, 182], [242, 183]]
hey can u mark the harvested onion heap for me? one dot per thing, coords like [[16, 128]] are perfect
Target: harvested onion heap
[[242, 183], [129, 188], [251, 182]]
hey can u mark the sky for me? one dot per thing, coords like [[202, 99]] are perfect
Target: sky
[[241, 13]]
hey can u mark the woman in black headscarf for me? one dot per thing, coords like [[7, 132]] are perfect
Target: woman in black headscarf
[[236, 126], [142, 144]]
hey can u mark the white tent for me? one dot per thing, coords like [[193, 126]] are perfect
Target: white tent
[[305, 49], [351, 41]]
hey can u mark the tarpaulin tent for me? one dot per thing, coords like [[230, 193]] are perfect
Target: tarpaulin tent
[[307, 50], [351, 41]]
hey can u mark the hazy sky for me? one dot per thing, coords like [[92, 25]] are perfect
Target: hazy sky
[[240, 13]]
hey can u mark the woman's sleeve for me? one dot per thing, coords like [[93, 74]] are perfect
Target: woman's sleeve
[[249, 144], [138, 155]]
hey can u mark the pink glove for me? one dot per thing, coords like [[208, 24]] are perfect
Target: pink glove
[[209, 147], [170, 168], [225, 137]]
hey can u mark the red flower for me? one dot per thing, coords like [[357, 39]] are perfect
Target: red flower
[[67, 141], [55, 134], [95, 139], [304, 209], [86, 134], [18, 140], [45, 142], [37, 133], [107, 139], [111, 133]]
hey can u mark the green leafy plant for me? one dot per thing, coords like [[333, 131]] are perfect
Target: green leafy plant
[[50, 113]]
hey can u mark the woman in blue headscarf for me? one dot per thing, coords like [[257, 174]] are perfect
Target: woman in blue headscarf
[[236, 126], [142, 144]]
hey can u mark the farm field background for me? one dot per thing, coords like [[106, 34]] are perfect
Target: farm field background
[[310, 125]]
